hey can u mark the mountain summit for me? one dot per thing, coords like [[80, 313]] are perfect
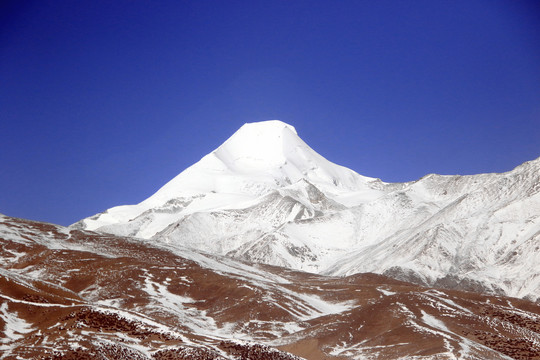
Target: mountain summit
[[260, 146], [265, 196], [259, 157], [256, 159]]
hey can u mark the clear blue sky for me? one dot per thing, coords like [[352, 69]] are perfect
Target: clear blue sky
[[103, 102]]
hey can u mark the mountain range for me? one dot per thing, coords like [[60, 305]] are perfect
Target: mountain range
[[265, 196], [266, 250]]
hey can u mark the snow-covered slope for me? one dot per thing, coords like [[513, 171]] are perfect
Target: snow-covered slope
[[266, 196]]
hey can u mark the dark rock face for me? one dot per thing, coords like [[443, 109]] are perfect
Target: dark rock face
[[402, 274], [454, 282]]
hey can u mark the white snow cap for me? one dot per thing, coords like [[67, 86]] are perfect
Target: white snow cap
[[268, 125], [259, 144]]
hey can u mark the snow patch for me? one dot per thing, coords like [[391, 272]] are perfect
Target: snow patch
[[15, 328]]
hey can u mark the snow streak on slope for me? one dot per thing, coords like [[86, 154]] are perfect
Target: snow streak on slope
[[266, 196]]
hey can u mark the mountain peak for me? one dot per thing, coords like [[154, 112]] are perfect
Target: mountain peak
[[259, 145], [257, 159], [267, 125]]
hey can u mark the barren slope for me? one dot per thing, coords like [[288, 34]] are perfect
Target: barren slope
[[71, 294]]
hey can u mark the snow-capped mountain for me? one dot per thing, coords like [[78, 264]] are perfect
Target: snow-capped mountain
[[257, 159], [266, 196]]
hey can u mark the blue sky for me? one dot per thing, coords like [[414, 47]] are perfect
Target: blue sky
[[103, 102]]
